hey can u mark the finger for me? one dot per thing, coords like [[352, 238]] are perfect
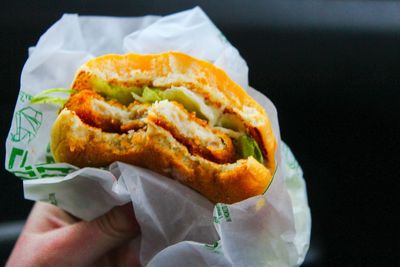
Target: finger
[[45, 217], [83, 243]]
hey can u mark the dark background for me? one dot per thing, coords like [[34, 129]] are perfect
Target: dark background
[[332, 68]]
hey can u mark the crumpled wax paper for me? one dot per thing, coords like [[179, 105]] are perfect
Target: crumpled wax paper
[[178, 226]]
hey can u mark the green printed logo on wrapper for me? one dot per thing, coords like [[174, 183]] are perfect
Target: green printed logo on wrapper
[[215, 247], [28, 121], [52, 199], [17, 155], [42, 171], [49, 155], [221, 211], [24, 97], [290, 159], [17, 160]]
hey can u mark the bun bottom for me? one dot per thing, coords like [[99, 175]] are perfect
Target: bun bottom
[[154, 148]]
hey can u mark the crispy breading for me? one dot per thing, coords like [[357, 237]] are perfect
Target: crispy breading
[[81, 103], [155, 148], [193, 132], [112, 117]]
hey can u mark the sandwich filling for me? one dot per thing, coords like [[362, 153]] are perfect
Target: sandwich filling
[[214, 133]]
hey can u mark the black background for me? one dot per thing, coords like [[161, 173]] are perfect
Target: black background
[[332, 68]]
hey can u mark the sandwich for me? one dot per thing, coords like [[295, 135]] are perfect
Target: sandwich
[[171, 113]]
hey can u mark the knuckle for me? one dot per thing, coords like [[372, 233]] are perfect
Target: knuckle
[[109, 225]]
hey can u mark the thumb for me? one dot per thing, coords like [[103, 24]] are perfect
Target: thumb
[[116, 226], [85, 242]]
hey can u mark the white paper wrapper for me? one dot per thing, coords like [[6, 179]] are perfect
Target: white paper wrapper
[[178, 226]]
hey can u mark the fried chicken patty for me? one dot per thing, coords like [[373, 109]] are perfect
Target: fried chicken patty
[[194, 133]]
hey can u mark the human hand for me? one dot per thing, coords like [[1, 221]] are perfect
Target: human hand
[[51, 237]]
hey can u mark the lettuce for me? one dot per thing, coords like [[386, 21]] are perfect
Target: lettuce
[[44, 98], [189, 100], [231, 121], [149, 95], [247, 146], [121, 94], [186, 99]]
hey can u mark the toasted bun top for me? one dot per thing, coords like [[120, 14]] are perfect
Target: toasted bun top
[[178, 69]]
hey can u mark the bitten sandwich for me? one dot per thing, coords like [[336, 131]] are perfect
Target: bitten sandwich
[[173, 114]]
